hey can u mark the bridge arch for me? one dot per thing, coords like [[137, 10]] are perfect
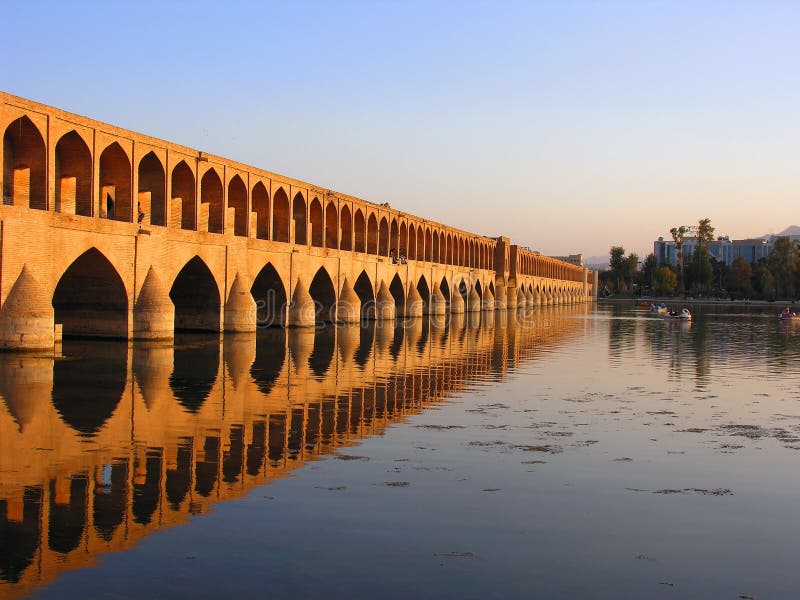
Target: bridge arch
[[317, 223], [299, 219], [115, 184], [331, 226], [428, 245], [360, 231], [397, 291], [323, 293], [424, 292], [152, 190], [383, 237], [394, 237], [269, 294], [444, 287], [346, 228], [73, 175], [402, 243], [280, 216], [366, 293], [372, 234], [211, 194], [237, 200], [90, 298], [260, 206], [412, 242], [196, 297], [420, 243], [24, 165], [183, 189]]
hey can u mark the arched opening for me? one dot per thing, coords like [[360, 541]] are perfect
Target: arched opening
[[324, 295], [67, 519], [183, 190], [269, 294], [412, 242], [398, 292], [146, 493], [463, 290], [110, 499], [211, 201], [299, 220], [428, 245], [73, 175], [360, 231], [90, 298], [479, 289], [151, 194], [448, 252], [402, 244], [383, 238], [346, 242], [420, 254], [237, 200], [260, 207], [331, 226], [436, 246], [491, 288], [372, 235], [445, 289], [315, 216], [364, 291], [196, 298], [425, 292], [21, 539], [24, 165], [394, 237], [280, 216], [115, 184]]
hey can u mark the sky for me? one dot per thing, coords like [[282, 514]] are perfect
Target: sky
[[568, 126]]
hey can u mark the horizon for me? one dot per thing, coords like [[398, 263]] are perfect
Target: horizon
[[589, 125]]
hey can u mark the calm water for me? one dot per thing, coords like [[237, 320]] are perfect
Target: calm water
[[574, 453]]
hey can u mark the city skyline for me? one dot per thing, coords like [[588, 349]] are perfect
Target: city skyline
[[590, 125]]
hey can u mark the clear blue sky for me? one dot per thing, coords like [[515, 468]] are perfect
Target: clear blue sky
[[569, 126]]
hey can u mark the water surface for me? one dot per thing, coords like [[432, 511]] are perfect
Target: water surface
[[574, 452]]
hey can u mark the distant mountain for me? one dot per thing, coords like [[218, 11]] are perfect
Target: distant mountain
[[596, 262], [792, 230]]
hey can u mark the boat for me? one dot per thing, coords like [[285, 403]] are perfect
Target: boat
[[788, 314], [684, 315], [658, 309]]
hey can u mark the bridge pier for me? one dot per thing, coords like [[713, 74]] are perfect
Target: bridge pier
[[154, 312], [240, 308], [27, 317]]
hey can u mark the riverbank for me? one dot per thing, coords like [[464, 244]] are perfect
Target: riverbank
[[668, 300]]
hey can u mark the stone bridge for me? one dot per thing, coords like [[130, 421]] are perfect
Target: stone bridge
[[109, 233]]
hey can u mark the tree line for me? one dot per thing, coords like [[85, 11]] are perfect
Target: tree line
[[776, 277]]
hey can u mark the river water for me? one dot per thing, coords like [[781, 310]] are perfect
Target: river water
[[575, 452]]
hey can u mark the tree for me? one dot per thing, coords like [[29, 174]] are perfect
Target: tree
[[678, 235], [701, 272], [764, 280], [630, 267], [705, 233], [782, 262], [740, 277], [648, 270], [664, 280], [616, 264]]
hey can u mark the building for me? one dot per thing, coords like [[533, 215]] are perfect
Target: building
[[722, 249]]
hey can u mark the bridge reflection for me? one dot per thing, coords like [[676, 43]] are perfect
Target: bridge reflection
[[111, 442]]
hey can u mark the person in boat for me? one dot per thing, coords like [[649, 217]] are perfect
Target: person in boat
[[787, 312]]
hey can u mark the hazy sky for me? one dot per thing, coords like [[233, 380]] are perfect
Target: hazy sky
[[568, 126]]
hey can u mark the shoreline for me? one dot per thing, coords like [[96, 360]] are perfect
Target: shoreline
[[704, 301]]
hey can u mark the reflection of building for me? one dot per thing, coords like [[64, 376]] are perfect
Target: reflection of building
[[171, 430], [723, 249]]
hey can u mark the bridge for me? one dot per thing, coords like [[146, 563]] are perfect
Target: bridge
[[105, 232]]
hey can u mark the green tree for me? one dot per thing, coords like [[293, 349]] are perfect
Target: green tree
[[700, 272], [740, 277], [678, 236], [616, 264], [665, 280], [782, 262], [630, 268], [705, 233], [648, 270], [763, 280]]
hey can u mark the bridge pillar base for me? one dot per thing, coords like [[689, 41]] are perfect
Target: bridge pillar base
[[302, 310], [414, 304], [456, 303], [240, 309], [27, 317], [385, 308], [348, 307], [154, 312]]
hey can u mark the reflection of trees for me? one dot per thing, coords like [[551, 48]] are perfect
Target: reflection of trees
[[622, 333]]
